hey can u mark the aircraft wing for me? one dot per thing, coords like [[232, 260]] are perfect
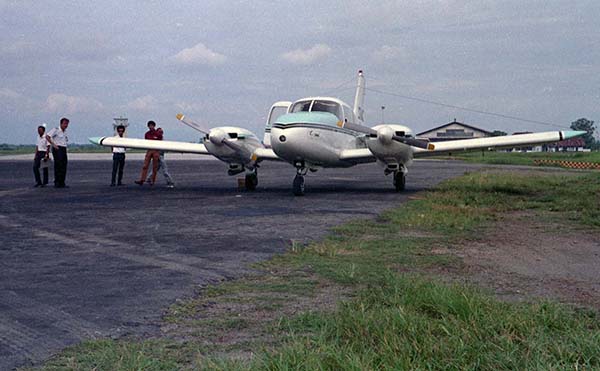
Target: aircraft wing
[[507, 141], [161, 145], [260, 154]]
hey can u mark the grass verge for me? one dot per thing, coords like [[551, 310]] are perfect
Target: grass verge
[[358, 299], [524, 158]]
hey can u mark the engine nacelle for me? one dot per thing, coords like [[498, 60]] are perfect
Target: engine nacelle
[[216, 136], [387, 150]]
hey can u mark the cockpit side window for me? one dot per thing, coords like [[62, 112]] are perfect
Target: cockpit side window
[[327, 106], [303, 106]]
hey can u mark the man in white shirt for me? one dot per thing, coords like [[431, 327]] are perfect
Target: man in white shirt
[[118, 159], [59, 140], [42, 153]]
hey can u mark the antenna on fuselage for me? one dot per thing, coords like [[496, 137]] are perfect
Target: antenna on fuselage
[[359, 98]]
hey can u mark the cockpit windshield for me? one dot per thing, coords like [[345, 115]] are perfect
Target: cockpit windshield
[[303, 106], [319, 106]]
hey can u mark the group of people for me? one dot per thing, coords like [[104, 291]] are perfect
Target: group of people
[[156, 157], [56, 140]]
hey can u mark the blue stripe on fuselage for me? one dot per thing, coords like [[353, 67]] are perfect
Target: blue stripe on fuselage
[[312, 120]]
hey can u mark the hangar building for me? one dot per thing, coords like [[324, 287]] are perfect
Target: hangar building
[[452, 131]]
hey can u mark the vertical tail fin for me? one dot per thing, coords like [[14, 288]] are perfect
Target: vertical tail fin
[[359, 98]]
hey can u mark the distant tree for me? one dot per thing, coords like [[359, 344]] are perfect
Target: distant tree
[[498, 133], [584, 124]]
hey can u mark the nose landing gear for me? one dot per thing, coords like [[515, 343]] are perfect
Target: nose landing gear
[[399, 180], [298, 185]]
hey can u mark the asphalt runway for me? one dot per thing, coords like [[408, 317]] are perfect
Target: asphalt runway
[[96, 261]]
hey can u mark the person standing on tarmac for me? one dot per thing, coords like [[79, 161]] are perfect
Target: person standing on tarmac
[[162, 167], [151, 154], [42, 153], [59, 141], [118, 160]]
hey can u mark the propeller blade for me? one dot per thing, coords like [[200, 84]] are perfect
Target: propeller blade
[[356, 127], [236, 147], [410, 141], [414, 142], [192, 124]]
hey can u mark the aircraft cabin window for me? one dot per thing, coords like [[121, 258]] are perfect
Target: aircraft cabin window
[[276, 113], [301, 106], [325, 106]]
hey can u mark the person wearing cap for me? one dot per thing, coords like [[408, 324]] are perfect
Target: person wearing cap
[[118, 159], [152, 154], [42, 153], [59, 140]]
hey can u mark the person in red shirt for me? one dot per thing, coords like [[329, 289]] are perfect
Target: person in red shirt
[[151, 155]]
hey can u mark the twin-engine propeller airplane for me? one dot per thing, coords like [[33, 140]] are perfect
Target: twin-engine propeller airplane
[[324, 132]]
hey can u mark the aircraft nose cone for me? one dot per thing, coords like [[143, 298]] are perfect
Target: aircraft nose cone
[[385, 135]]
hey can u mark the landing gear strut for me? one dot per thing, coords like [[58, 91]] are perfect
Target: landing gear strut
[[298, 185], [399, 180], [251, 181]]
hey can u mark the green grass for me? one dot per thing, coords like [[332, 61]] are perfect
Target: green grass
[[521, 158], [413, 323], [391, 316], [112, 355]]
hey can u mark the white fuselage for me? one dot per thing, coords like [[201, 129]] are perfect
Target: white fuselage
[[319, 147], [313, 133]]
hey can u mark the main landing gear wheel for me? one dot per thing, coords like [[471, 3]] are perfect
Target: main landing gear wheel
[[399, 181], [251, 181], [298, 185]]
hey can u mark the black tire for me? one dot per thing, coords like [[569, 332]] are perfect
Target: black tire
[[399, 181], [298, 185], [251, 181]]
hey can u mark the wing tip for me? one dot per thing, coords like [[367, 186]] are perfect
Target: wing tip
[[96, 140], [573, 133]]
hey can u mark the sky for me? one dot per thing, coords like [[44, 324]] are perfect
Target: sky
[[225, 62]]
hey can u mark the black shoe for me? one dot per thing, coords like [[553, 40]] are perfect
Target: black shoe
[[119, 184], [139, 182], [112, 184], [37, 185]]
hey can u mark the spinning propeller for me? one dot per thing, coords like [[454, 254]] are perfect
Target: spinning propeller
[[386, 134]]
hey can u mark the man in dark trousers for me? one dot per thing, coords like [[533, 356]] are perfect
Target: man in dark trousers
[[151, 155], [42, 153], [59, 141], [118, 159]]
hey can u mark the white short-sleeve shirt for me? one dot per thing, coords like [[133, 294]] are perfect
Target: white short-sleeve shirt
[[59, 137], [42, 143]]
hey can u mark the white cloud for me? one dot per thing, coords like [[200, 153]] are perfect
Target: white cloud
[[61, 103], [199, 54], [387, 52], [307, 56], [146, 103], [193, 107], [9, 93]]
